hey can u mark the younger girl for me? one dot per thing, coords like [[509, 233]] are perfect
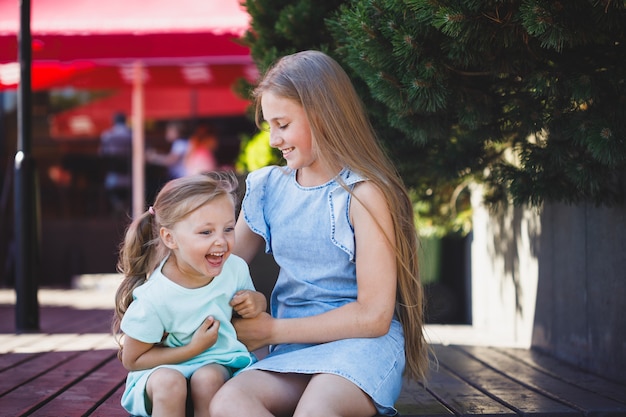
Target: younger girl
[[176, 323]]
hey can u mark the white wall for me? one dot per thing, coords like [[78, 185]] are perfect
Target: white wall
[[553, 278], [504, 272]]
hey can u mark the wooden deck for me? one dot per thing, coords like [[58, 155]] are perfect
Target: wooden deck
[[70, 369]]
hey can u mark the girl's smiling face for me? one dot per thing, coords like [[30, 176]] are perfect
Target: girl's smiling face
[[290, 131], [201, 243]]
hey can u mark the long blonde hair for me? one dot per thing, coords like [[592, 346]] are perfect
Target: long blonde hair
[[344, 137], [142, 249]]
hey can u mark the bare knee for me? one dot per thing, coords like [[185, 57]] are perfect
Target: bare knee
[[167, 385], [259, 393], [209, 379], [224, 399], [204, 383], [332, 395], [325, 409]]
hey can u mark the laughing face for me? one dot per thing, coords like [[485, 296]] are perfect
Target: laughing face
[[201, 243], [290, 132]]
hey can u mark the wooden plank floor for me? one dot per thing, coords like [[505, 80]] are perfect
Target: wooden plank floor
[[69, 368]]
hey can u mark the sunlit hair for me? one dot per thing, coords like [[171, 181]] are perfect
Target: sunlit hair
[[344, 137], [142, 249]]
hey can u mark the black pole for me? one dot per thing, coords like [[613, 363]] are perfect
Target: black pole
[[26, 213]]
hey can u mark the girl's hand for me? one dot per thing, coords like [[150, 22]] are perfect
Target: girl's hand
[[205, 336], [255, 332], [137, 355], [248, 304]]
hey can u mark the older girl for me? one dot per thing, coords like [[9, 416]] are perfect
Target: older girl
[[346, 311]]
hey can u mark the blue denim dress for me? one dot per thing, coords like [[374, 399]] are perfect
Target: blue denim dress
[[309, 233]]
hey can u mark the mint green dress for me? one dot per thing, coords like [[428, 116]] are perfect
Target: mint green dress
[[161, 306]]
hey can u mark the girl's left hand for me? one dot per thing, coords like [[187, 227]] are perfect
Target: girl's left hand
[[248, 304]]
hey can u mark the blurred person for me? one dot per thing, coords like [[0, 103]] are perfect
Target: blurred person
[[116, 147], [200, 157], [174, 160]]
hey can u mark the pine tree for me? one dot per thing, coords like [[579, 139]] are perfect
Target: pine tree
[[527, 96], [282, 27]]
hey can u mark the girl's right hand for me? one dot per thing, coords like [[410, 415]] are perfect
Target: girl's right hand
[[255, 332], [206, 335]]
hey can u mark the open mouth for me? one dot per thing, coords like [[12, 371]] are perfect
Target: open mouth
[[287, 151], [215, 258]]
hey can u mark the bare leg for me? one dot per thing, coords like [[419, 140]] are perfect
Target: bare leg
[[205, 382], [331, 395], [167, 389], [259, 394]]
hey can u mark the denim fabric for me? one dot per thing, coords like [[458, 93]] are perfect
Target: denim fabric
[[308, 231]]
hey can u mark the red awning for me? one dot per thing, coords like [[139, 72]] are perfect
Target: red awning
[[93, 43], [116, 31], [196, 37], [86, 75], [90, 120]]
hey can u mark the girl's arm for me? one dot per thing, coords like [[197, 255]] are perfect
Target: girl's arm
[[371, 314], [246, 303], [248, 243], [167, 159], [138, 355]]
